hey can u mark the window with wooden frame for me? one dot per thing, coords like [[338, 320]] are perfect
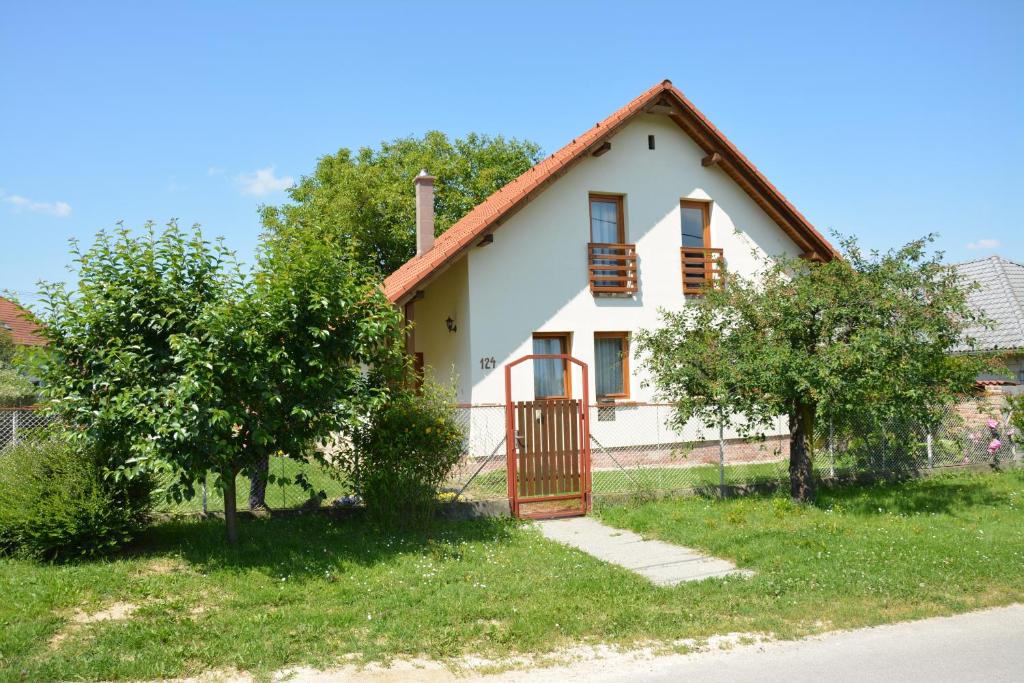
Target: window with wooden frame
[[611, 262], [611, 365], [551, 376], [701, 263]]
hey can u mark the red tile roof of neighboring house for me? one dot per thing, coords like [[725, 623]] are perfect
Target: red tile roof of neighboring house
[[487, 215], [18, 322], [996, 383]]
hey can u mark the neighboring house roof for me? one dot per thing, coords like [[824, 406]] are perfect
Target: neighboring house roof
[[1000, 297], [663, 98], [19, 324]]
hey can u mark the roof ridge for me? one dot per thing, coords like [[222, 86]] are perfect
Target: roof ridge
[[1011, 293], [486, 216]]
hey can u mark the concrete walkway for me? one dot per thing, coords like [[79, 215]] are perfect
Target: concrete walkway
[[664, 564]]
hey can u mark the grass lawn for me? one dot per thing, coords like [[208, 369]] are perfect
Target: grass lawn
[[290, 495], [309, 590]]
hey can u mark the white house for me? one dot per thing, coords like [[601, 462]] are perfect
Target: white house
[[583, 249]]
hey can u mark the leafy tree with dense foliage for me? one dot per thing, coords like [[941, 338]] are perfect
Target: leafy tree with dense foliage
[[867, 332], [169, 358], [310, 347], [115, 368], [366, 197]]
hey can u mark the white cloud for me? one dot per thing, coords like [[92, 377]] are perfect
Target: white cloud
[[58, 209], [263, 182], [214, 170], [983, 244]]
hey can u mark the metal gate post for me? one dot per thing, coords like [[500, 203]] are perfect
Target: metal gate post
[[585, 436], [721, 460]]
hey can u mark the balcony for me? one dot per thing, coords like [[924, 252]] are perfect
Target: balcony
[[612, 269], [702, 268]]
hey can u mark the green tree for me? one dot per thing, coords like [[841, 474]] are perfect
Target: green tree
[[310, 348], [868, 332], [169, 358], [366, 197], [114, 366]]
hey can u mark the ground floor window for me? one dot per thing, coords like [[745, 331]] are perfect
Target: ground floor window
[[551, 375], [611, 364]]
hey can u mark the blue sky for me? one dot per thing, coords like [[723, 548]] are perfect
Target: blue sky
[[887, 120]]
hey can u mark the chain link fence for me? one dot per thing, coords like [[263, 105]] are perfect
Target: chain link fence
[[635, 449]]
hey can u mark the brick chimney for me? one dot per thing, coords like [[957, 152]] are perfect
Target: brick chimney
[[424, 212]]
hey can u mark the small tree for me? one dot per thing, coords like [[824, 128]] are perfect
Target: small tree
[[310, 348], [114, 365], [169, 358], [866, 332]]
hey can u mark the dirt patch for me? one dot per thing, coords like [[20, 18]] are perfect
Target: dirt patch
[[164, 565], [119, 611]]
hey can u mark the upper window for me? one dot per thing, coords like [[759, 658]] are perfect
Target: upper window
[[611, 364], [551, 375], [695, 225], [606, 219]]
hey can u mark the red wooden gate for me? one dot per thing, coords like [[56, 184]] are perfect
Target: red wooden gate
[[548, 443]]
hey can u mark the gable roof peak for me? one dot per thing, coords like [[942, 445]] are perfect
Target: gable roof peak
[[485, 217]]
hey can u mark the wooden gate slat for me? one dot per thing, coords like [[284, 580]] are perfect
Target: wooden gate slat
[[574, 466], [550, 446]]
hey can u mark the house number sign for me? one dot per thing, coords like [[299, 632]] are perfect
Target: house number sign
[[488, 363]]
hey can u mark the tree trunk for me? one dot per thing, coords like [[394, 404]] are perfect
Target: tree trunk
[[230, 510], [258, 485], [801, 433]]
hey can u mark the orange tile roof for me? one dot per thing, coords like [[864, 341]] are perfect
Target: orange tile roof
[[19, 323], [486, 215]]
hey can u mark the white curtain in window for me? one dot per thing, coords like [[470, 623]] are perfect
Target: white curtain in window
[[604, 221], [604, 228], [608, 365], [548, 373]]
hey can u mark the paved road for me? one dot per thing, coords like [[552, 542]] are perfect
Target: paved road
[[982, 646]]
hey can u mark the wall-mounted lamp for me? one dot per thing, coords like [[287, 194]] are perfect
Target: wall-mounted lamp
[[450, 324]]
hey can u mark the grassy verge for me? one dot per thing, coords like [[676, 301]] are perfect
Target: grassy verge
[[310, 590]]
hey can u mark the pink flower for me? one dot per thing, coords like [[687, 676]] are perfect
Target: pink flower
[[994, 445], [972, 436], [992, 424]]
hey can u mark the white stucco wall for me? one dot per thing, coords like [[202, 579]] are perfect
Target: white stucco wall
[[533, 278]]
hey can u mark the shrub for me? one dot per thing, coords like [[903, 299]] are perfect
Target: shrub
[[402, 454], [55, 503]]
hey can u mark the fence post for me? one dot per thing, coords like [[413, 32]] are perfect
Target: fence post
[[928, 445], [721, 460], [14, 427], [831, 450], [204, 495]]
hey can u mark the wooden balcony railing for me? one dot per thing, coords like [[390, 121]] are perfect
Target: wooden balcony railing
[[702, 268], [612, 268]]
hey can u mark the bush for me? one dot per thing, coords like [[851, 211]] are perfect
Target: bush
[[55, 503], [402, 455]]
